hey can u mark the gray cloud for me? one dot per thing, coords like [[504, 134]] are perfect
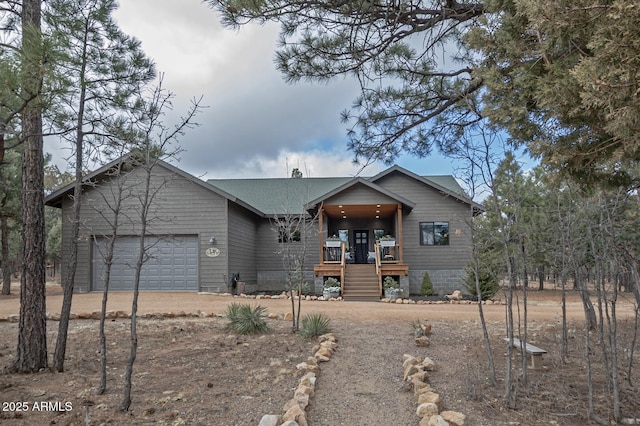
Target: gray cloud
[[252, 116]]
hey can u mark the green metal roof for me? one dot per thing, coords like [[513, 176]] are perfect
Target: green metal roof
[[278, 195], [274, 196], [448, 182]]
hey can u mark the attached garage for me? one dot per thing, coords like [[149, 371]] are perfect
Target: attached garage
[[172, 264]]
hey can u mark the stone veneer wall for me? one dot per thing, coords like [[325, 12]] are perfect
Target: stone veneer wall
[[445, 281]]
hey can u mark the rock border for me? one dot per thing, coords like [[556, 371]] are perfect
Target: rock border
[[416, 372], [95, 315], [294, 409]]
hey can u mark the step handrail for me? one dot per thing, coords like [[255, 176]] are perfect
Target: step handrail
[[376, 249], [342, 264]]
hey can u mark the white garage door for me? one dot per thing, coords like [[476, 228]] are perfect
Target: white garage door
[[172, 264]]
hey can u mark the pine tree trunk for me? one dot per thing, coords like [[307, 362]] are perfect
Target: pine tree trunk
[[31, 353], [541, 278], [4, 228], [69, 281], [6, 269]]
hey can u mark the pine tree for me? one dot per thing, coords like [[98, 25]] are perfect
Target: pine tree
[[104, 69]]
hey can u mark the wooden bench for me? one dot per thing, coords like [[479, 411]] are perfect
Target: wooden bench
[[534, 352]]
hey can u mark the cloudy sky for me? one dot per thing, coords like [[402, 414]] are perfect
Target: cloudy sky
[[254, 124]]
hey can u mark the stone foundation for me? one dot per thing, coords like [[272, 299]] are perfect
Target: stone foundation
[[445, 281]]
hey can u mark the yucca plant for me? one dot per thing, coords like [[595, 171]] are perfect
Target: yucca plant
[[247, 319], [314, 325]]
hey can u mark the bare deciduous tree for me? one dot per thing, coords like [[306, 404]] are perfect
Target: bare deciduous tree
[[153, 143], [294, 228]]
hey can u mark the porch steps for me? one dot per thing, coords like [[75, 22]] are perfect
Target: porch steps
[[360, 283]]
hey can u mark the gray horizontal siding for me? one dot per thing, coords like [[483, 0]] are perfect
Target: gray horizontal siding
[[242, 245], [431, 206], [269, 260], [359, 194], [179, 207]]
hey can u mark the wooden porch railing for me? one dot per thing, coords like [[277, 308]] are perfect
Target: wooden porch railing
[[376, 249], [342, 263]]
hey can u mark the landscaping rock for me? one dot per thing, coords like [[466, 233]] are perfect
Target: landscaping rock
[[454, 418], [410, 370], [431, 397], [301, 400], [296, 414], [422, 390], [428, 364], [407, 357], [308, 379], [436, 421], [420, 375], [456, 295], [328, 337], [417, 384], [427, 409], [422, 341], [304, 390], [426, 328], [305, 367], [321, 358], [270, 420]]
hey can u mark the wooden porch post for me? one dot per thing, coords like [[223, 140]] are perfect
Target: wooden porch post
[[321, 224], [399, 233]]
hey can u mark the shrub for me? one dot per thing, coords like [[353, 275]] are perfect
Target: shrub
[[332, 284], [427, 286], [314, 325], [246, 319], [389, 283], [488, 283]]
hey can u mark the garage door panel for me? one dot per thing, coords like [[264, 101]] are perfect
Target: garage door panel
[[172, 264]]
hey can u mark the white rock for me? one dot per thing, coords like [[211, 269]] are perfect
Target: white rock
[[270, 420]]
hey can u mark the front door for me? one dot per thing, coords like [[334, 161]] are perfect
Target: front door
[[361, 245]]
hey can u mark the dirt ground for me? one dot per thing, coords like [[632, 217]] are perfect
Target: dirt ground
[[190, 370]]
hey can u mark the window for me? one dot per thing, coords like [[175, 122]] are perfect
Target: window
[[434, 233], [288, 233]]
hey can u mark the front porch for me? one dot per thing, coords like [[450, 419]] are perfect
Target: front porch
[[360, 245]]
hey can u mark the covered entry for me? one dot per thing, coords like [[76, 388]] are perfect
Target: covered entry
[[172, 264], [361, 215]]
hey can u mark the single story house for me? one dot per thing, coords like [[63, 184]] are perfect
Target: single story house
[[202, 233]]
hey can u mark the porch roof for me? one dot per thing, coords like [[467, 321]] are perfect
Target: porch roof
[[408, 205]]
